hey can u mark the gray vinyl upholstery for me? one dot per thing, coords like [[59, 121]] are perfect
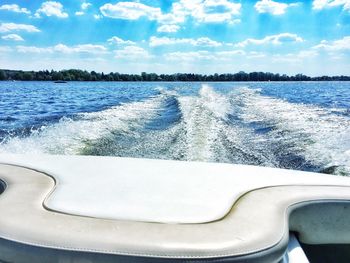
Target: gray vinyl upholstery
[[326, 222], [254, 230]]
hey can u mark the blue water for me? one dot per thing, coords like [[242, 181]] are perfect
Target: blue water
[[294, 125]]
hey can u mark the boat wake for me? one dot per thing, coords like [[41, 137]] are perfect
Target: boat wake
[[241, 126]]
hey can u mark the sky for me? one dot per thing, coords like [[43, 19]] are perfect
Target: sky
[[163, 36]]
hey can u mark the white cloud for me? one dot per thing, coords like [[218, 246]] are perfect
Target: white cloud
[[226, 56], [130, 11], [97, 16], [230, 53], [119, 41], [171, 18], [85, 48], [274, 39], [307, 54], [7, 27], [220, 56], [132, 53], [336, 45], [51, 8], [285, 58], [202, 11], [5, 49], [13, 37], [255, 55], [188, 56], [216, 11], [163, 41], [322, 4], [296, 57], [272, 7], [15, 8], [205, 41], [203, 55], [61, 48], [168, 28], [208, 11], [85, 5], [33, 49]]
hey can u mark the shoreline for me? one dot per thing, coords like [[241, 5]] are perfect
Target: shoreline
[[83, 75]]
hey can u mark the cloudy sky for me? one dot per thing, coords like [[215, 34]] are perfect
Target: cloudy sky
[[164, 36]]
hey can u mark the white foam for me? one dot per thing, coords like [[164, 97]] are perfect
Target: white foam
[[205, 131], [202, 120], [69, 136], [323, 137]]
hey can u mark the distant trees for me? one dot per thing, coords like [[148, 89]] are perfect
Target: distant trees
[[28, 76], [83, 75], [3, 75]]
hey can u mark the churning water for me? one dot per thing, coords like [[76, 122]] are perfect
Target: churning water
[[303, 126]]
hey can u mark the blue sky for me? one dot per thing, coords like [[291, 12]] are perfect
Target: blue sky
[[200, 36]]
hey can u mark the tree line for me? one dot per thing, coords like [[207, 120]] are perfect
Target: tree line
[[83, 75]]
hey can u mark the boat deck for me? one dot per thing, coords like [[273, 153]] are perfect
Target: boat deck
[[135, 210]]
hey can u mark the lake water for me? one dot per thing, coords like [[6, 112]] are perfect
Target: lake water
[[294, 125]]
